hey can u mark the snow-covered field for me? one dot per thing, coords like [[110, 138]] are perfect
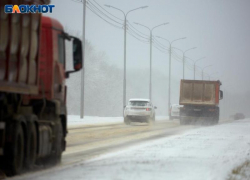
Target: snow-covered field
[[202, 153]]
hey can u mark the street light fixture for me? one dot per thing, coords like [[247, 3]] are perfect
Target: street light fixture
[[169, 77], [195, 64], [125, 46], [203, 70], [195, 61], [151, 42], [184, 58]]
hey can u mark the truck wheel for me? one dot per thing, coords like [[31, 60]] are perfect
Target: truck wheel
[[182, 121], [215, 120], [126, 121], [15, 151], [31, 145], [58, 145]]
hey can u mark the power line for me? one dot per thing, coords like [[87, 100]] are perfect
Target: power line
[[176, 56], [137, 33], [92, 5], [160, 45], [131, 29], [143, 34], [107, 11], [159, 42], [145, 42], [160, 49], [103, 18]]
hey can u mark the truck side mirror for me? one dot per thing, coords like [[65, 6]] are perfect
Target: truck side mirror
[[77, 54], [221, 94]]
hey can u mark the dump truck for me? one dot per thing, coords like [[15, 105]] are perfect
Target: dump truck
[[200, 100], [33, 112]]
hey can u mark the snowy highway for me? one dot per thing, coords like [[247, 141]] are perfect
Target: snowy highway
[[162, 151], [86, 142]]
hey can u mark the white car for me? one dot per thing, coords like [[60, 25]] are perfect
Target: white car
[[174, 111], [139, 110]]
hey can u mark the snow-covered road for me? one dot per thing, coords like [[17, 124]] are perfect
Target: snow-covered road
[[202, 153]]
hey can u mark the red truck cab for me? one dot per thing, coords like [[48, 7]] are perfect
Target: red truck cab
[[33, 112]]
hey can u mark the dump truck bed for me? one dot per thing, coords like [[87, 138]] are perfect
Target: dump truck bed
[[19, 50], [196, 92]]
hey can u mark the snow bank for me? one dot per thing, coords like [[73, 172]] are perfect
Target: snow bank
[[88, 120]]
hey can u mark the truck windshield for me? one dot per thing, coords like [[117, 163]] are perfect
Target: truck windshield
[[138, 103]]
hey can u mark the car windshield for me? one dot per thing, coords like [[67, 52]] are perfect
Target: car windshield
[[139, 103]]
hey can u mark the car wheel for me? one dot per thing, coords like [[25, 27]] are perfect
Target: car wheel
[[126, 121], [150, 121]]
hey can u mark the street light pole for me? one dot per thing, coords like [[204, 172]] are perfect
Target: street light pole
[[150, 68], [169, 76], [124, 65], [83, 67], [125, 49], [151, 45], [203, 70]]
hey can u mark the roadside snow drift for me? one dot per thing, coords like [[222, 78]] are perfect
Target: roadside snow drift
[[202, 153], [90, 120]]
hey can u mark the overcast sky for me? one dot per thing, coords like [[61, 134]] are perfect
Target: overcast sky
[[220, 29]]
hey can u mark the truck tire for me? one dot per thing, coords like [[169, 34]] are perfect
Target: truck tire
[[31, 145], [182, 121], [126, 121], [58, 145], [216, 120], [15, 152]]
